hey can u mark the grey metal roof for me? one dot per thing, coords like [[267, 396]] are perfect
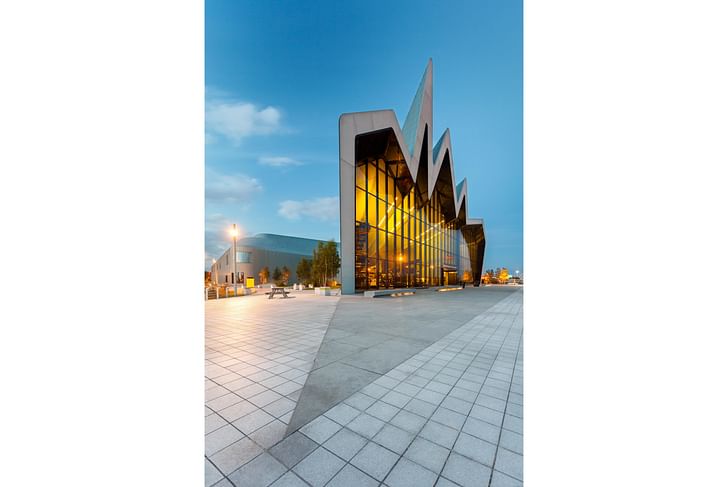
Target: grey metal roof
[[281, 243]]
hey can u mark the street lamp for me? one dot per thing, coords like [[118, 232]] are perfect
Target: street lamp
[[213, 277], [517, 271], [234, 233]]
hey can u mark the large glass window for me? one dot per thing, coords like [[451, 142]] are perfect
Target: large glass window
[[399, 244], [243, 257]]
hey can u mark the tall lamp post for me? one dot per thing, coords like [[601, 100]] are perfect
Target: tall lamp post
[[517, 275], [213, 274], [234, 233]]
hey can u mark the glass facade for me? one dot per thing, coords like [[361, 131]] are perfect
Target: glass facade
[[401, 240]]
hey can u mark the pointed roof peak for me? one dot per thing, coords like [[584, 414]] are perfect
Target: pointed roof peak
[[409, 129]]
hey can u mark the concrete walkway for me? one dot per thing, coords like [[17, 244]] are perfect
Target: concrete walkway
[[443, 406], [369, 337]]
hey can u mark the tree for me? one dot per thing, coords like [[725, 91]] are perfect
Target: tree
[[285, 274], [276, 275], [264, 275], [326, 262], [304, 270], [503, 275]]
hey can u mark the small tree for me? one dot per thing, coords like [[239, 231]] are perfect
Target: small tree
[[285, 274], [326, 262], [276, 275], [264, 275], [303, 270], [503, 275]]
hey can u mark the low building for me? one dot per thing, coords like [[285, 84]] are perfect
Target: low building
[[259, 251]]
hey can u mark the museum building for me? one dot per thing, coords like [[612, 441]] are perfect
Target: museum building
[[404, 221]]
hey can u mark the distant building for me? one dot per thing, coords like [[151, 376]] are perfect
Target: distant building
[[259, 251]]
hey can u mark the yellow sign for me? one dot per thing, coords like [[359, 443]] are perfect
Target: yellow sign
[[250, 282]]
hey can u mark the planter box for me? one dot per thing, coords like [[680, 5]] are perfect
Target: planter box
[[322, 291]]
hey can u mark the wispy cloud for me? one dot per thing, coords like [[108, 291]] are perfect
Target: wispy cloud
[[231, 188], [321, 209], [236, 120], [278, 161]]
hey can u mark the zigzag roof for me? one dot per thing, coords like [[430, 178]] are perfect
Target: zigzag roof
[[410, 138]]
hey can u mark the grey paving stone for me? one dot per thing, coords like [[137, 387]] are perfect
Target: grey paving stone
[[238, 410], [382, 410], [366, 425], [220, 438], [293, 449], [251, 422], [236, 455], [375, 390], [375, 460], [287, 388], [318, 467], [270, 434], [514, 409], [224, 483], [345, 444], [463, 394], [511, 441], [440, 434], [448, 418], [420, 407], [408, 421], [407, 389], [212, 474], [342, 413], [326, 387], [430, 396], [457, 405], [502, 480], [396, 399], [262, 471], [320, 429], [250, 391], [486, 414], [443, 482], [264, 398], [513, 423], [427, 454], [223, 401], [360, 401], [496, 392], [350, 476], [416, 381], [213, 422], [290, 479], [436, 386], [466, 472], [491, 402], [394, 438], [280, 407], [509, 463], [481, 429], [408, 474], [476, 449], [387, 382]]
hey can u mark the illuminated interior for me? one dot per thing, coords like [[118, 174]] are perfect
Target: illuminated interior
[[403, 239]]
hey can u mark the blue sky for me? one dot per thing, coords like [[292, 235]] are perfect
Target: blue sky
[[279, 74]]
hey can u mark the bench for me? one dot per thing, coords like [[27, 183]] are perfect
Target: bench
[[277, 290], [387, 292]]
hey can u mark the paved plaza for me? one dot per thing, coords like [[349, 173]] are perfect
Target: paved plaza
[[345, 391]]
